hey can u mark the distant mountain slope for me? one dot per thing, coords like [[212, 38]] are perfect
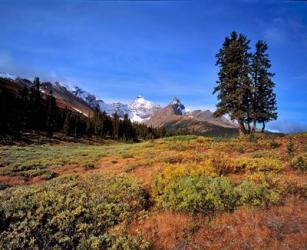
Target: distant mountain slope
[[207, 115], [171, 112], [174, 118], [66, 99]]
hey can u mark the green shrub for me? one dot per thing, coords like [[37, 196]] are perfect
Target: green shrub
[[251, 193], [259, 189], [114, 242], [300, 162], [127, 242], [67, 211], [199, 194]]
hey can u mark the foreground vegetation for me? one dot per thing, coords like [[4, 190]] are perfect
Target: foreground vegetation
[[177, 192]]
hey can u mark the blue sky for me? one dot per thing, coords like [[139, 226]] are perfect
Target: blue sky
[[159, 49]]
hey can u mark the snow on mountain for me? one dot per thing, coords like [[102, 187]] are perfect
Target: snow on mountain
[[138, 111], [7, 75], [87, 97], [142, 109], [117, 107], [178, 106], [110, 109]]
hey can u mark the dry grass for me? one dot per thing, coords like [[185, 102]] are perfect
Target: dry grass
[[281, 227]]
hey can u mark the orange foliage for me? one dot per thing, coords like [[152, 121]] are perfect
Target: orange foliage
[[281, 227]]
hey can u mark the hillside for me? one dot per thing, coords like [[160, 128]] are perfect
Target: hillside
[[175, 119], [184, 192], [64, 98]]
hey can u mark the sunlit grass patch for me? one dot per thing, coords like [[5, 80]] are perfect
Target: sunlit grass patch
[[34, 160]]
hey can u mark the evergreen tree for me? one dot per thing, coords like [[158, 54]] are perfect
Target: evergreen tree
[[234, 86], [128, 130], [67, 123], [264, 99], [115, 125], [36, 109], [51, 114], [25, 107]]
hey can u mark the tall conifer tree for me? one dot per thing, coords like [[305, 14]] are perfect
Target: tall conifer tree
[[234, 86], [264, 99]]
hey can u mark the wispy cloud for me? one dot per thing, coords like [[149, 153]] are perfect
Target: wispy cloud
[[287, 126], [281, 30]]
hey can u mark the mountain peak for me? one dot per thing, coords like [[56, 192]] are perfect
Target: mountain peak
[[179, 108], [142, 109], [175, 101]]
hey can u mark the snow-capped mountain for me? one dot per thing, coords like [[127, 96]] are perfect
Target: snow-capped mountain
[[7, 75], [142, 109], [138, 111], [116, 107]]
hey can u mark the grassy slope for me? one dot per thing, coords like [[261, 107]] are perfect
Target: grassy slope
[[280, 225]]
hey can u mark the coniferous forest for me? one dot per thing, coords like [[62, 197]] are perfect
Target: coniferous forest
[[31, 110]]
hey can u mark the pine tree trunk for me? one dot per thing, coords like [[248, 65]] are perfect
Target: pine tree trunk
[[254, 127], [249, 128], [242, 129], [263, 127]]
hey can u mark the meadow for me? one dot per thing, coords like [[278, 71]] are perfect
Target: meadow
[[182, 192]]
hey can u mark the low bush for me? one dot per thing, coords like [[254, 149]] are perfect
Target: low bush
[[221, 162], [190, 188], [299, 162], [244, 164], [172, 172], [256, 194], [259, 190], [199, 194], [224, 164], [67, 212]]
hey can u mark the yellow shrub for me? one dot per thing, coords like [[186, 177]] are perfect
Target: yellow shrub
[[269, 183], [258, 164], [224, 164], [221, 162], [174, 171]]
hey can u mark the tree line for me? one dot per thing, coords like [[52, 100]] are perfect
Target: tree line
[[30, 110], [245, 87]]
